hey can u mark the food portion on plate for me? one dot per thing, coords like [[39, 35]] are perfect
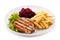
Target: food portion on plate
[[24, 25], [26, 12], [27, 21], [42, 20], [11, 20]]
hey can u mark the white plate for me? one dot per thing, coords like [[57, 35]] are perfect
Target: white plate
[[34, 8]]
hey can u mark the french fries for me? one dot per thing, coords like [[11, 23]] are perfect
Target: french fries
[[37, 25], [42, 20]]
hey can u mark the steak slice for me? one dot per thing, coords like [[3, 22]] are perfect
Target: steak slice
[[24, 25]]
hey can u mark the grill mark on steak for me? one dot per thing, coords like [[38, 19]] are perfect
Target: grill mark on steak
[[20, 28], [29, 21], [24, 25], [21, 21], [32, 23], [20, 24], [26, 21]]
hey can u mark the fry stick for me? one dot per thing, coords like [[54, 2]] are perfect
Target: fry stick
[[49, 22], [45, 24], [38, 25], [38, 19], [42, 25], [35, 16]]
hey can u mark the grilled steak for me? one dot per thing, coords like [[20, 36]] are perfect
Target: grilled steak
[[24, 25]]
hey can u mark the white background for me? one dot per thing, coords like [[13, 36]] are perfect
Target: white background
[[52, 5]]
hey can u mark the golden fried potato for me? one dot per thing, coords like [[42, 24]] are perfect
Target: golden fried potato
[[42, 20]]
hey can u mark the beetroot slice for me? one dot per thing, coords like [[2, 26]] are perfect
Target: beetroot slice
[[28, 13]]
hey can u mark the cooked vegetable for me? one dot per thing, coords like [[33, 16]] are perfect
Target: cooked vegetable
[[12, 18], [28, 13]]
